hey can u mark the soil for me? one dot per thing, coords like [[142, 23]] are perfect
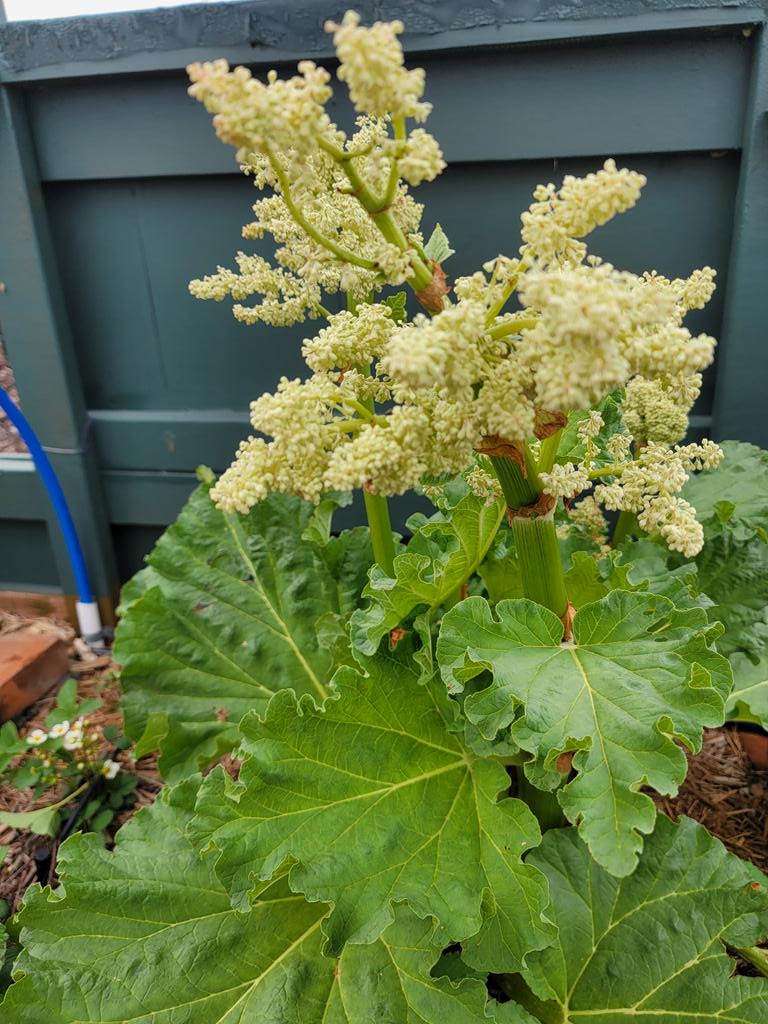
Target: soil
[[723, 790], [9, 438]]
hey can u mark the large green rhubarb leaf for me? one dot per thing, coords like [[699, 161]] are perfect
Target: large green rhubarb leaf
[[748, 701], [374, 799], [734, 575], [733, 496], [147, 935], [638, 675], [441, 556], [649, 949], [225, 614]]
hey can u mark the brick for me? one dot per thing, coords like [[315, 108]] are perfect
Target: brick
[[30, 664]]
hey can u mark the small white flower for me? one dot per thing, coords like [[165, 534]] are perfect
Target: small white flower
[[36, 737], [110, 769], [59, 730], [73, 740]]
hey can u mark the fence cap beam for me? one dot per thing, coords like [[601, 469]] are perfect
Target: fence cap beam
[[271, 31]]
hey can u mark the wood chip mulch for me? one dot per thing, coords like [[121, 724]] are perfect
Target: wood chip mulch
[[727, 794]]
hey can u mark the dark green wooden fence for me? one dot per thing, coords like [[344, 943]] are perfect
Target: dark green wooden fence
[[114, 192]]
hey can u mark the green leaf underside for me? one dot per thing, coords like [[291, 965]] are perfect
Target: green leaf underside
[[397, 304], [638, 675], [443, 552], [648, 949], [748, 701], [374, 800], [438, 248], [733, 495], [147, 935], [223, 616], [637, 565], [734, 574]]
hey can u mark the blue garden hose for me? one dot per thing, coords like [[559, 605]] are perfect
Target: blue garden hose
[[87, 609]]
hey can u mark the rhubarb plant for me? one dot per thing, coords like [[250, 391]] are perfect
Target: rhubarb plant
[[436, 803]]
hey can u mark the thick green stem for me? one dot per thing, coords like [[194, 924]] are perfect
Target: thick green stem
[[532, 470], [544, 804], [377, 510], [548, 454], [381, 216], [538, 555], [626, 526], [538, 550], [376, 505], [517, 488]]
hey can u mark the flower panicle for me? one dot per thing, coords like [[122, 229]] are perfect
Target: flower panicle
[[343, 219]]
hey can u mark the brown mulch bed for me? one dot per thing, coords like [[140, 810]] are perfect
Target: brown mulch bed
[[723, 790], [96, 678], [9, 438], [727, 794]]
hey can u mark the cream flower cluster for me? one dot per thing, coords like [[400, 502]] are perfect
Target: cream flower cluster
[[692, 292], [598, 327], [587, 519], [371, 63], [293, 289], [285, 297], [325, 185], [321, 195], [559, 217], [586, 330], [484, 484], [566, 480], [569, 479], [474, 375], [325, 439], [288, 116], [324, 435], [422, 159], [448, 349], [650, 485], [465, 379], [657, 410], [350, 339]]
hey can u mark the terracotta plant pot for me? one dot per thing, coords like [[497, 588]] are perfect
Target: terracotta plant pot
[[754, 740]]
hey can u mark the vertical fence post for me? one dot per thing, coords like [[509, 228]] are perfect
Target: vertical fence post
[[740, 392], [36, 333]]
